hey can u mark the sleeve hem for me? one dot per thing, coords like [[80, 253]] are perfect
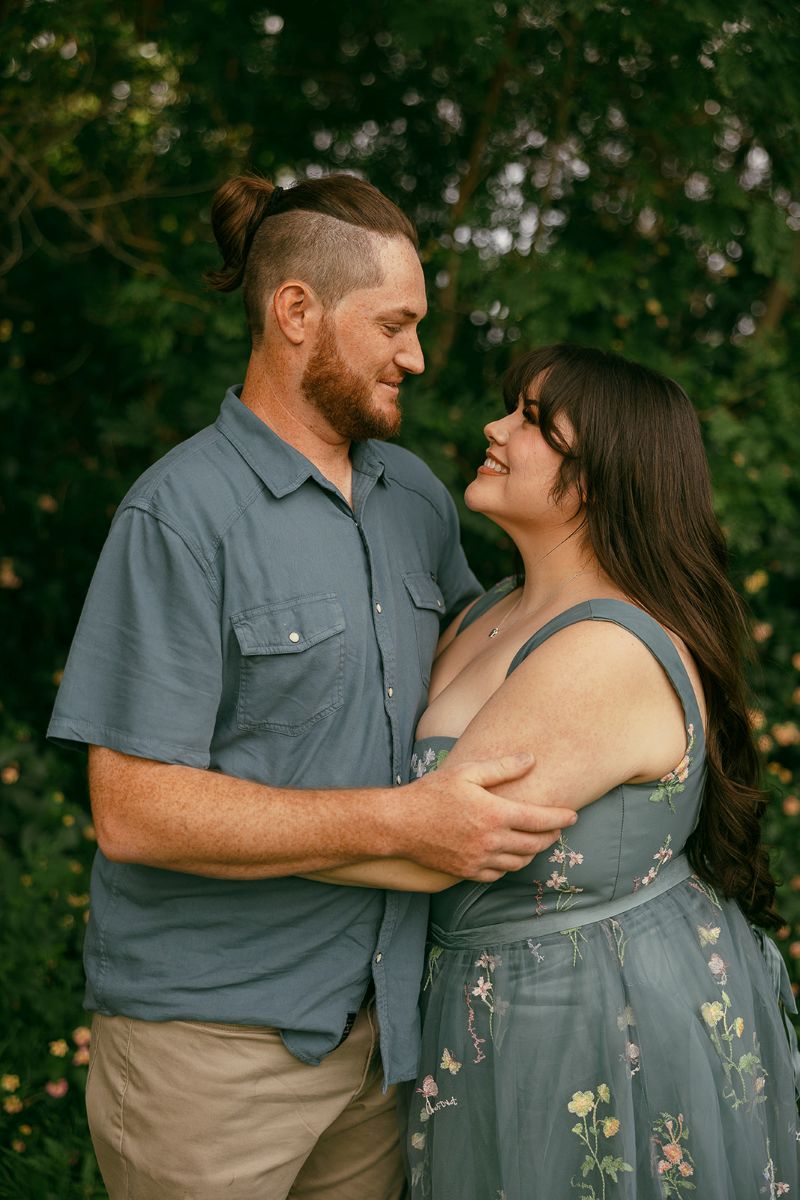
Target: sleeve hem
[[74, 734]]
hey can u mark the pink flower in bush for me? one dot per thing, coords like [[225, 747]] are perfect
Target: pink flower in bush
[[57, 1088], [81, 1056], [81, 1036]]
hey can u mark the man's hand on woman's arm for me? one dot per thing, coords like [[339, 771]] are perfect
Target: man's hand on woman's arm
[[206, 823]]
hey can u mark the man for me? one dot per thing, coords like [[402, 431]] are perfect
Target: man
[[248, 671]]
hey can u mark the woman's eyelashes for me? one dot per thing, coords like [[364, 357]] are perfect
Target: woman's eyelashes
[[530, 414]]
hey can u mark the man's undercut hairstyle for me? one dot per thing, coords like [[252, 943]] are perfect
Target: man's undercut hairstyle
[[318, 231]]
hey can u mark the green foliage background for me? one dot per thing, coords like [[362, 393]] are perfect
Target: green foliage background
[[622, 176]]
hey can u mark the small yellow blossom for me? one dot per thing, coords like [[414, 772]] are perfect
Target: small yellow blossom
[[738, 1026], [610, 1126], [9, 1083], [755, 582], [581, 1103], [26, 880], [10, 774], [27, 1130], [59, 1048], [82, 1035], [18, 1145], [603, 1092], [712, 1013], [12, 1104], [68, 820]]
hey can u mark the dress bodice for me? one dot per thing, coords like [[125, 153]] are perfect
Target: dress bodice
[[622, 841]]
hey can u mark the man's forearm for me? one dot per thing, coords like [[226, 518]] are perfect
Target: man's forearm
[[206, 823]]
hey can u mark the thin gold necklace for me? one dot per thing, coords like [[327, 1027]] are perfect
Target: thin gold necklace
[[494, 632]]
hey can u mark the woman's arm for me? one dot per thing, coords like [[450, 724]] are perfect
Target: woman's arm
[[395, 874], [599, 711]]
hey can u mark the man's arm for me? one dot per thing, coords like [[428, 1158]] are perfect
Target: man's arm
[[206, 823]]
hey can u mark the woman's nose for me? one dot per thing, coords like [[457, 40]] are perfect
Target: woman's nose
[[495, 431]]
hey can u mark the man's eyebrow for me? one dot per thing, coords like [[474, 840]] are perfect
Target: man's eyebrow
[[407, 313]]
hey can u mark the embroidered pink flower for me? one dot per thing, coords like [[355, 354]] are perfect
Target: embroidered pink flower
[[716, 966], [56, 1088], [759, 1083], [686, 1170], [575, 859], [663, 1166], [556, 880], [429, 1087], [489, 961], [781, 1189], [663, 854], [673, 1152], [558, 856], [484, 986]]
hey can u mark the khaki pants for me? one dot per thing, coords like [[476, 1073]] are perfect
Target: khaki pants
[[182, 1110]]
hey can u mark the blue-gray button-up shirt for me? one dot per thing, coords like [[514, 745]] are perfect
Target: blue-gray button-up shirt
[[243, 618]]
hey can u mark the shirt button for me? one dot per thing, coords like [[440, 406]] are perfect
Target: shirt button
[[294, 636], [378, 957], [438, 604], [398, 779], [390, 692], [378, 608]]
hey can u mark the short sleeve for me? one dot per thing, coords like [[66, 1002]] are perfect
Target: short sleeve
[[144, 673], [459, 586]]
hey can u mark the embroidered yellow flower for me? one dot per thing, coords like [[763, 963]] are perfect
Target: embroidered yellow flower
[[581, 1103], [738, 1026], [603, 1092], [610, 1126], [418, 1141], [712, 1013]]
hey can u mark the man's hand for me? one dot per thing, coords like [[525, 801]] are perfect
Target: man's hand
[[452, 823]]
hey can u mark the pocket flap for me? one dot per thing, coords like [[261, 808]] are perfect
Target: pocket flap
[[288, 626], [424, 591]]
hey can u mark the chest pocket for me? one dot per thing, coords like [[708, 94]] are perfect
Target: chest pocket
[[428, 604], [291, 673]]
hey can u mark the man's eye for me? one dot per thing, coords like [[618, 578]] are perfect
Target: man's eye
[[392, 329]]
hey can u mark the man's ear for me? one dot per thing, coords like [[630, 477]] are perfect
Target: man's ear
[[297, 310]]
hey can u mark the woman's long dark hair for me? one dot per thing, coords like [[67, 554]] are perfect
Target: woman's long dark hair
[[637, 458]]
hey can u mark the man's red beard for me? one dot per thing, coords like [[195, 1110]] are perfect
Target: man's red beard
[[342, 396]]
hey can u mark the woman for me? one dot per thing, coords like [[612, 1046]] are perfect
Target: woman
[[603, 1023]]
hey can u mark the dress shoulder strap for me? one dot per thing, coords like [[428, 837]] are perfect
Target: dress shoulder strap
[[637, 622], [486, 601]]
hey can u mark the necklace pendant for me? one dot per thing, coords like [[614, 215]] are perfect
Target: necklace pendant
[[494, 632]]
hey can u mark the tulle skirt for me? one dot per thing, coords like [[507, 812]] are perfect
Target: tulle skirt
[[640, 1056]]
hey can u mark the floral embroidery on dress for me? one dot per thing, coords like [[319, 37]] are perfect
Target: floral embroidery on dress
[[776, 1189], [745, 1077], [675, 781], [429, 1091], [434, 955], [565, 859], [662, 855], [423, 764], [674, 1164], [576, 937], [632, 1055], [589, 1130], [700, 885], [708, 934]]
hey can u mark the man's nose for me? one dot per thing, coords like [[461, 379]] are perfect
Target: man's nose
[[409, 356]]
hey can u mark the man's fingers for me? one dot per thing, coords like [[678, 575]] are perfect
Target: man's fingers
[[541, 818], [491, 771]]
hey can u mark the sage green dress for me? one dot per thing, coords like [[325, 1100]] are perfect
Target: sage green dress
[[603, 1024]]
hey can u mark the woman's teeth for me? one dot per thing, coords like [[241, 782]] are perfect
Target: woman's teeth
[[497, 467]]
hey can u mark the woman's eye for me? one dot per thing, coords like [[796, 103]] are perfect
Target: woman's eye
[[530, 415]]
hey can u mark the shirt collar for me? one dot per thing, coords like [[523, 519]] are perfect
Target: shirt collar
[[282, 468]]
